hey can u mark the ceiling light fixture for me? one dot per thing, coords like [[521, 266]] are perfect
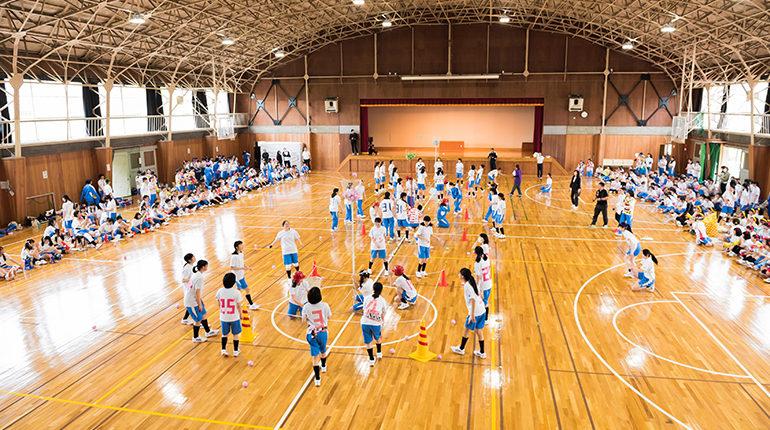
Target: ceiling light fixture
[[387, 23], [136, 18], [668, 28], [279, 53], [227, 41], [505, 18], [358, 2], [628, 45]]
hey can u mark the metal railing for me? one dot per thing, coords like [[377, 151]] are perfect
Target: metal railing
[[61, 130], [735, 123]]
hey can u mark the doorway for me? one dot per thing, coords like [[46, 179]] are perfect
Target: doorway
[[736, 159], [126, 163]]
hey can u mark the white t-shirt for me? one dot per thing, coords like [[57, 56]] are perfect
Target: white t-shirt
[[66, 209], [360, 189], [334, 204], [425, 233], [386, 207], [187, 272], [471, 175], [196, 283], [631, 240], [483, 272], [407, 286], [287, 241], [236, 260], [299, 293], [648, 267], [229, 300], [540, 158], [438, 165], [317, 316], [367, 288], [305, 155], [459, 167], [374, 310], [472, 298], [378, 237], [401, 208]]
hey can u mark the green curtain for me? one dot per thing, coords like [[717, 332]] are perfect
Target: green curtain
[[714, 150], [702, 162]]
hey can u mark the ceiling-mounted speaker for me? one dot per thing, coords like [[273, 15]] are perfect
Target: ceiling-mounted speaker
[[575, 103], [331, 104]]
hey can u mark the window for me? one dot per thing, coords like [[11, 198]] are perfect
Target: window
[[736, 159], [52, 102], [182, 115], [222, 104], [128, 107]]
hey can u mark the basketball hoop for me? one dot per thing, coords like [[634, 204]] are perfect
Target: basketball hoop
[[225, 128]]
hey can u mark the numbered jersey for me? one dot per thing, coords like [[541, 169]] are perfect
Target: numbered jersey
[[401, 210], [229, 300], [374, 310], [317, 316], [386, 207], [483, 272]]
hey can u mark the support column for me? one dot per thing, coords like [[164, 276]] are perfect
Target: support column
[[602, 136], [16, 80], [108, 85], [171, 89], [752, 85]]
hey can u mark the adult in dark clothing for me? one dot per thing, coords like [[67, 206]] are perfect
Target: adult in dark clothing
[[492, 159], [516, 181], [600, 198], [354, 141], [278, 157], [682, 219], [286, 158], [574, 186], [265, 156]]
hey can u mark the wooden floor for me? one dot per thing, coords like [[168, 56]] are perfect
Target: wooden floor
[[570, 346]]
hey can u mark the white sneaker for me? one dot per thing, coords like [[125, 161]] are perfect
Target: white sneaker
[[323, 369], [98, 245], [372, 362], [652, 288], [457, 350], [379, 355], [211, 333], [236, 353], [224, 353], [628, 275], [254, 307], [199, 339], [480, 354], [187, 321], [403, 306], [317, 382], [767, 280]]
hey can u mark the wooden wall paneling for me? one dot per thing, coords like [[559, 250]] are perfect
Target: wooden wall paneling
[[102, 157], [324, 62], [6, 204], [584, 56], [16, 172], [759, 156], [358, 56], [324, 151], [389, 44], [624, 147], [469, 48], [556, 147], [579, 147], [546, 52], [431, 49], [507, 48]]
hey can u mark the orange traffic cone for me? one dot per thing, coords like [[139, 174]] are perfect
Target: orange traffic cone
[[422, 354], [247, 332], [363, 229], [442, 280], [467, 217], [314, 272], [465, 236], [106, 239]]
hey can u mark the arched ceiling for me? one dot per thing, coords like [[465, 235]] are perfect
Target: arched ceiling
[[181, 40]]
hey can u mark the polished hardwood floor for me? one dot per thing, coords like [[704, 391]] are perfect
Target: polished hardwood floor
[[569, 345]]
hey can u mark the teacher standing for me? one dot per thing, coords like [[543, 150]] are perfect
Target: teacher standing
[[354, 141], [492, 159], [574, 186]]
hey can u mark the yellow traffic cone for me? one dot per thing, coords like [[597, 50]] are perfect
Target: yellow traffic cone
[[422, 354], [247, 334]]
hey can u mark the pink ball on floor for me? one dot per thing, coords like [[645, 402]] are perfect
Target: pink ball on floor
[[355, 175], [177, 305], [124, 257], [245, 384], [469, 253], [406, 337], [273, 266], [93, 327], [454, 322], [439, 357], [392, 351], [319, 237], [256, 246], [250, 363]]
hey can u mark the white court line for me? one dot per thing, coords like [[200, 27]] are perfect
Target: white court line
[[715, 295], [615, 324], [604, 362], [724, 348]]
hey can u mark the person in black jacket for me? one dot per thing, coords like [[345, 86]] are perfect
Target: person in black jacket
[[574, 186], [600, 198]]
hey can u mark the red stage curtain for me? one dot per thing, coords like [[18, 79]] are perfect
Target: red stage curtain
[[364, 146], [537, 138], [454, 102]]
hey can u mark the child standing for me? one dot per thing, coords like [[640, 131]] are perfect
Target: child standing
[[378, 245], [287, 236], [229, 300], [476, 314], [361, 190], [499, 217], [386, 208], [422, 237], [634, 248], [334, 207], [316, 314], [371, 321], [482, 268], [187, 271], [193, 301], [459, 171], [401, 216], [238, 267]]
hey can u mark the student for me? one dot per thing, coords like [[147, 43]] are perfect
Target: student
[[67, 209], [187, 272], [383, 173], [492, 199], [193, 301], [600, 198], [540, 159], [483, 242], [394, 176], [482, 268], [297, 294], [334, 207], [459, 168], [287, 236], [646, 274], [443, 210], [423, 235], [421, 176], [627, 216], [516, 181], [8, 270], [374, 211], [378, 244], [499, 217], [574, 186], [476, 314], [238, 267], [405, 291], [479, 175], [472, 181], [386, 208], [374, 308], [401, 216], [361, 190], [671, 166], [634, 248], [364, 286], [316, 314], [230, 300], [701, 236], [548, 184], [457, 195]]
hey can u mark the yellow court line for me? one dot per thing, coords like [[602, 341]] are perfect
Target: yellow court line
[[138, 411], [161, 353]]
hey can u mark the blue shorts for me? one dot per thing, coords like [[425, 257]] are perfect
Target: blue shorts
[[459, 175], [402, 223], [727, 210], [421, 187], [317, 344], [371, 332], [439, 187], [289, 259], [478, 325], [626, 218], [644, 281], [636, 250], [423, 252], [704, 241], [241, 283], [499, 218], [478, 181], [377, 181], [486, 294], [68, 225], [406, 297], [231, 326], [195, 315], [378, 253], [294, 309]]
